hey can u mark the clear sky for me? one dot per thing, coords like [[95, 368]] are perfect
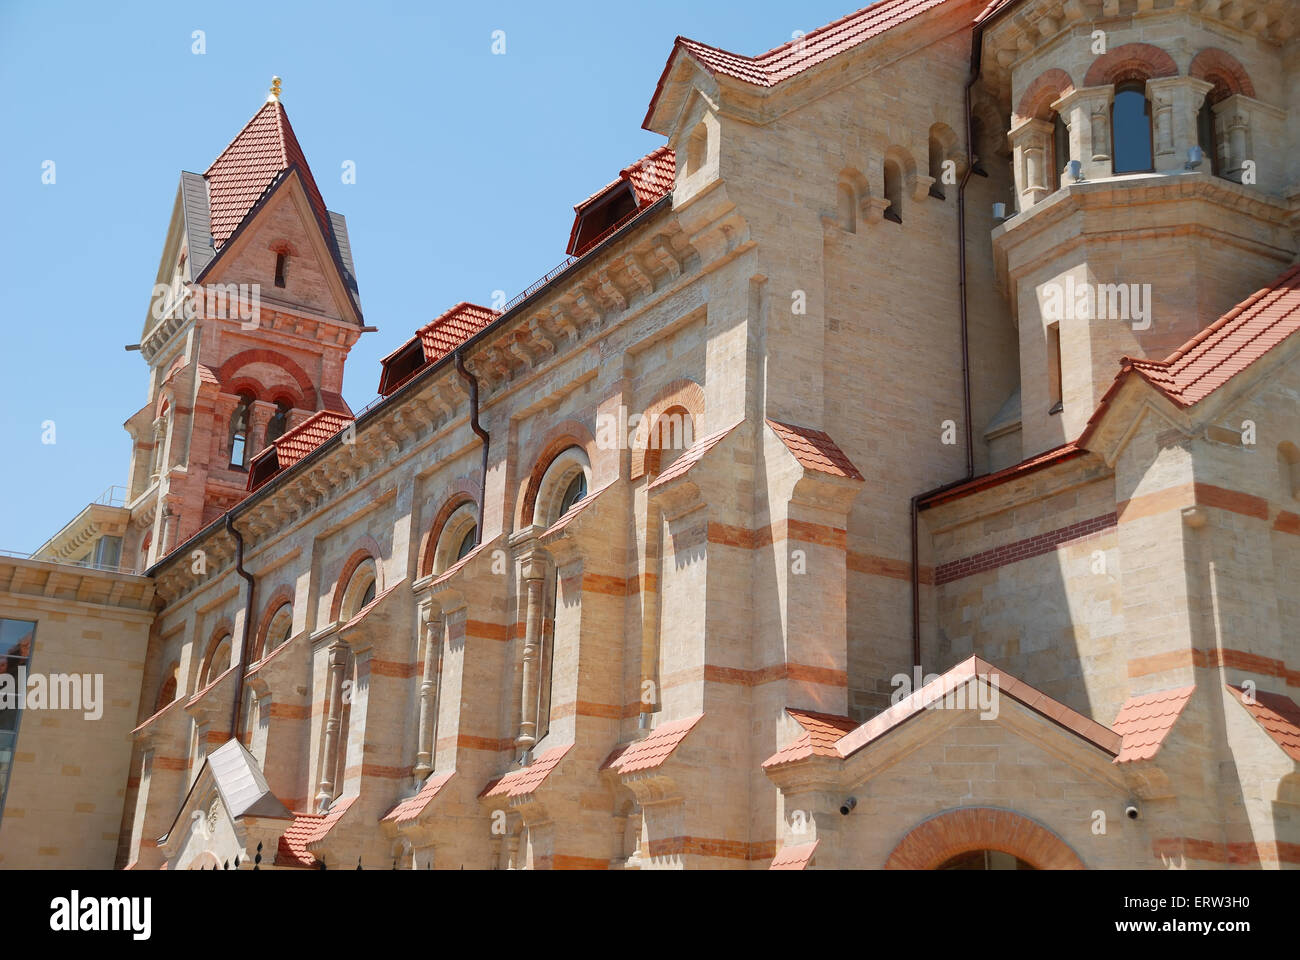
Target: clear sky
[[467, 168]]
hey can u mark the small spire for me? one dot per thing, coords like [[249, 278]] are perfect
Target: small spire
[[275, 90]]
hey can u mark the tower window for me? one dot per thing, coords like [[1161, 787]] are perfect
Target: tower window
[[1205, 136], [239, 421], [894, 192], [1131, 128], [1060, 149], [280, 259], [279, 421]]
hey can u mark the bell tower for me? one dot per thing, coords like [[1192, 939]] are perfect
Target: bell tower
[[254, 309]]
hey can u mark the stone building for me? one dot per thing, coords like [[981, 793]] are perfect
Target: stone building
[[902, 471]]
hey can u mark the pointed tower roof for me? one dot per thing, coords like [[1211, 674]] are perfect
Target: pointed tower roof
[[253, 161]]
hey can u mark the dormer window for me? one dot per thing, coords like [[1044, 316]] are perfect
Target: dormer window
[[280, 260], [600, 215]]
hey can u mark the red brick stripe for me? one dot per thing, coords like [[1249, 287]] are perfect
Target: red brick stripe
[[709, 847], [1245, 852], [1218, 657], [1021, 549]]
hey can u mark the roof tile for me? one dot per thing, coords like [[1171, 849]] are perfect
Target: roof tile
[[519, 783], [651, 752], [796, 857], [815, 450], [306, 830], [1277, 714], [409, 809], [1144, 722]]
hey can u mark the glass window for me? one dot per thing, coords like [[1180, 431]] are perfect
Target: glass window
[[467, 544], [576, 490], [16, 640], [1131, 128], [108, 553]]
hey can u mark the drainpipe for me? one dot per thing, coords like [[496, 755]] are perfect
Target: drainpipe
[[235, 713], [977, 37], [474, 425]]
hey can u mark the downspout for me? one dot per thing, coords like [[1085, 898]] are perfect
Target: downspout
[[235, 712], [977, 37], [474, 425]]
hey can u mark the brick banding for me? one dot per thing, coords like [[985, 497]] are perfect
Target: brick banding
[[1021, 549], [948, 834]]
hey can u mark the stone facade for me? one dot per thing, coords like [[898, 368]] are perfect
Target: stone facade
[[697, 662]]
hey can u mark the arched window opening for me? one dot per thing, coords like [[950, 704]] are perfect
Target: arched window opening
[[170, 684], [458, 536], [846, 208], [564, 484], [277, 630], [239, 422], [697, 148], [1207, 136], [1060, 151], [218, 659], [985, 860], [278, 423], [1131, 128], [361, 589], [943, 147], [894, 191], [281, 260]]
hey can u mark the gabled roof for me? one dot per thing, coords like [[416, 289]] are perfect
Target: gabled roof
[[1144, 722], [815, 450], [650, 752], [239, 782], [1229, 345], [265, 148], [1277, 714], [792, 58], [976, 669]]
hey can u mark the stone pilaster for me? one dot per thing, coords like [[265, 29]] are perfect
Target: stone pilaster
[[1175, 102], [1031, 143], [1086, 112]]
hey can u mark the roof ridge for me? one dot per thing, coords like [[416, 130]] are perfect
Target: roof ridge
[[1274, 289]]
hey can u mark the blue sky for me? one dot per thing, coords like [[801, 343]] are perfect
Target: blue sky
[[468, 165]]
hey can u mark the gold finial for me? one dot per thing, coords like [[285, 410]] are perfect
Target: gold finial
[[275, 90]]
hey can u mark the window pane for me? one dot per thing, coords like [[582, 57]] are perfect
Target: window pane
[[16, 640], [1132, 131]]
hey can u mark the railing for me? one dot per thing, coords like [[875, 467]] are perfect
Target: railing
[[114, 496], [84, 564]]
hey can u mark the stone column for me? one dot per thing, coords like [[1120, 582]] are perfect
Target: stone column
[[1086, 112], [1175, 102], [258, 417], [534, 578], [428, 704], [1031, 142], [329, 758], [1232, 122]]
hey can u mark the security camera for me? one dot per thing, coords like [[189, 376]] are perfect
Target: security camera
[[1132, 811], [847, 806]]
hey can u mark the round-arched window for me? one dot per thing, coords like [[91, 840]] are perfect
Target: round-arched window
[[459, 535], [565, 483], [361, 589], [218, 659], [278, 630]]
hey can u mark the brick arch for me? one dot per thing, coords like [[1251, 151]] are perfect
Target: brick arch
[[366, 548], [1224, 71], [952, 832], [463, 491], [1048, 87], [683, 393], [246, 357], [569, 433], [164, 402], [1132, 61], [281, 595], [224, 630]]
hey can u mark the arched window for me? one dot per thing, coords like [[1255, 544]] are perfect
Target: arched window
[[894, 191], [459, 535], [846, 213], [361, 589], [1131, 128], [1060, 150], [167, 692], [277, 630], [281, 260], [218, 660], [564, 484], [671, 434], [239, 422], [278, 423], [697, 148], [943, 148], [1288, 465], [984, 860]]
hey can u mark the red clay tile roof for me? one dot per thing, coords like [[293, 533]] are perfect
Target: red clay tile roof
[[1277, 714], [519, 783], [1145, 721], [647, 754], [796, 56], [445, 333], [409, 809], [815, 450], [821, 731], [295, 444], [1066, 451], [334, 402], [935, 691], [308, 829], [691, 456], [651, 178], [1229, 345], [795, 857], [260, 152]]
